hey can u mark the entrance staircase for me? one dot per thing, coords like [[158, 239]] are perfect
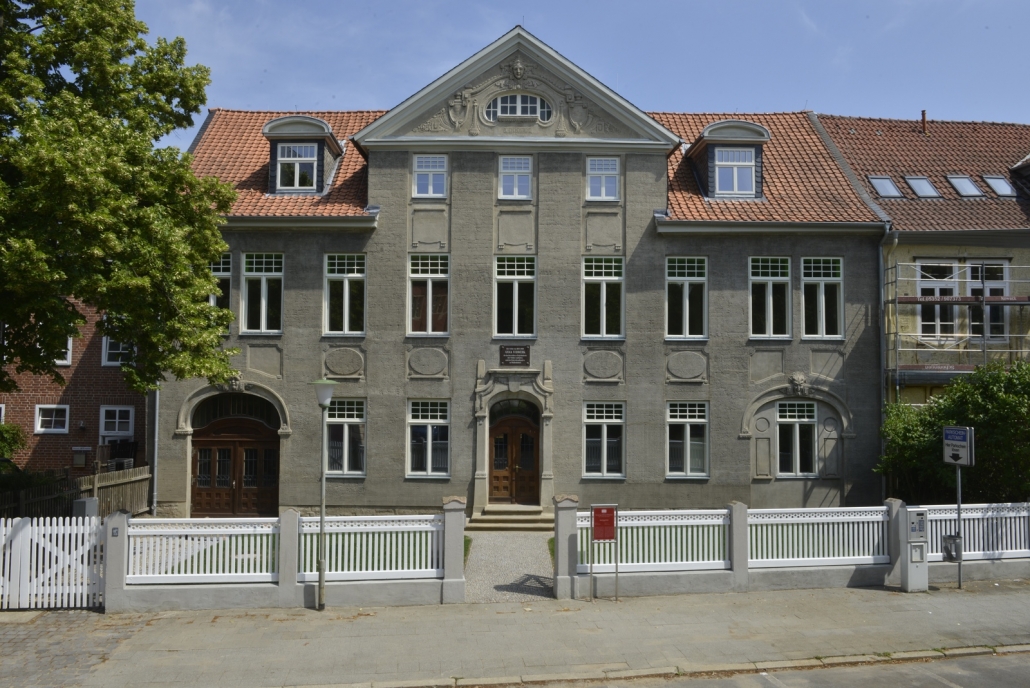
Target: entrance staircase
[[512, 517]]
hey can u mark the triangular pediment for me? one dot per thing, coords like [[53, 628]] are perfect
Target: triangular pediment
[[463, 107]]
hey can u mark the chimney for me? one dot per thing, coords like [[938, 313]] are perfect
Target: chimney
[[924, 123]]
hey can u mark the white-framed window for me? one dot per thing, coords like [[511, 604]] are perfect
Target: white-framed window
[[515, 172], [116, 424], [429, 286], [822, 294], [515, 296], [603, 446], [262, 292], [923, 187], [1, 413], [66, 359], [1000, 185], [345, 293], [429, 438], [518, 105], [964, 185], [885, 186], [795, 438], [687, 439], [51, 419], [686, 297], [602, 179], [992, 278], [937, 320], [770, 297], [297, 166], [735, 171], [602, 297], [116, 353], [222, 270], [345, 428], [429, 179]]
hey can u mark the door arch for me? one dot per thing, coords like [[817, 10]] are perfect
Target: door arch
[[514, 452]]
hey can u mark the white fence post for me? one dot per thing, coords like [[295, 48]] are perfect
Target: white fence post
[[566, 555], [116, 555], [896, 536], [453, 589], [289, 545], [739, 546]]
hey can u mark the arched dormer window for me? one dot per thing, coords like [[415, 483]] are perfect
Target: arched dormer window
[[304, 153], [518, 105], [728, 155]]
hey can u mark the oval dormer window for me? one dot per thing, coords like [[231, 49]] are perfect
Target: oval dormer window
[[518, 105]]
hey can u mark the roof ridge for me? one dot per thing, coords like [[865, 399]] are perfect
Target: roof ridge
[[259, 112], [918, 121], [742, 114]]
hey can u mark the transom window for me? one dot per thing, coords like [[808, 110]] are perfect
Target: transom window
[[602, 179], [515, 175], [518, 105], [795, 436], [964, 185], [262, 292], [999, 185], [430, 177], [822, 295], [429, 303], [735, 171], [345, 427], [51, 419], [297, 166], [428, 438], [770, 297], [602, 297], [885, 186], [936, 280], [515, 295], [923, 187], [603, 450], [989, 277], [222, 270], [687, 428], [345, 293], [686, 283]]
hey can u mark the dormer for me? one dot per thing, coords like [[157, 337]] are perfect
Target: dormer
[[303, 154], [727, 157]]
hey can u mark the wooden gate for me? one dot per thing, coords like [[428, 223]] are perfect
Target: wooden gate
[[50, 563]]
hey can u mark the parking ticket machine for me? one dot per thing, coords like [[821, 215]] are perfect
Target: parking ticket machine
[[915, 574]]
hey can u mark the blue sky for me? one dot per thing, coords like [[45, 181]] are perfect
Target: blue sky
[[958, 59]]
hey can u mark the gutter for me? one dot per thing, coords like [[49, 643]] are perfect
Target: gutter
[[666, 226], [354, 222]]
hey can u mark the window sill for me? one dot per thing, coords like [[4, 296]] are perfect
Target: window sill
[[516, 337], [816, 338], [296, 192], [416, 197], [600, 338], [105, 364], [700, 339], [419, 476], [802, 476], [261, 333], [344, 334], [689, 477], [345, 476], [515, 199], [435, 335], [602, 200], [603, 477], [50, 432], [773, 338]]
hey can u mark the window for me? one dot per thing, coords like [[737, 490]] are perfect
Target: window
[[770, 297], [885, 186], [989, 276], [999, 185], [822, 295], [222, 270], [345, 293], [603, 450], [1, 413], [602, 179], [685, 296], [602, 297], [263, 292], [116, 424], [687, 426], [428, 438], [116, 353], [297, 166], [514, 177], [518, 105], [735, 171], [345, 428], [429, 304], [795, 437], [66, 359], [430, 176], [923, 187], [515, 296], [964, 185], [51, 419], [937, 320]]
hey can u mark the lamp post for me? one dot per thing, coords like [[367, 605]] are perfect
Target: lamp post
[[324, 392]]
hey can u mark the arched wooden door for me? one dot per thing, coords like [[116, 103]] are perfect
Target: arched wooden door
[[235, 469], [514, 454]]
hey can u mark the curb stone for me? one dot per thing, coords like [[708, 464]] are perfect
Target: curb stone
[[967, 651], [416, 683], [643, 673], [492, 681], [718, 668], [788, 664], [555, 678], [1009, 649], [852, 659], [917, 654]]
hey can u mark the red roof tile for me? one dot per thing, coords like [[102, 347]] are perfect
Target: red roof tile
[[801, 181], [898, 148], [232, 148]]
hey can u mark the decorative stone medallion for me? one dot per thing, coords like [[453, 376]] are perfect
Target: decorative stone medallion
[[345, 362], [427, 363], [603, 365], [687, 366]]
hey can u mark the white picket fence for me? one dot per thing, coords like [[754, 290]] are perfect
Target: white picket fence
[[817, 537], [203, 550], [50, 563], [989, 531], [687, 540], [373, 548]]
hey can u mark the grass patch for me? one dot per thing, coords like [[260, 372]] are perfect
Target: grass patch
[[550, 548], [468, 548]]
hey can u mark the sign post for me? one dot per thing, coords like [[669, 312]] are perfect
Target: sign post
[[604, 520], [958, 452]]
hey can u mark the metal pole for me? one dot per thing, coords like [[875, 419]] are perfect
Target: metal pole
[[590, 553], [616, 556], [962, 545], [321, 518]]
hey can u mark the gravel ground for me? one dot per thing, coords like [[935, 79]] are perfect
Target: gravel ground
[[508, 567]]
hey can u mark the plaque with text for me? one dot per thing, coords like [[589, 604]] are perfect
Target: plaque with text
[[514, 356]]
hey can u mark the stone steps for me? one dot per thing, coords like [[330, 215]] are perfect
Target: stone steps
[[511, 517]]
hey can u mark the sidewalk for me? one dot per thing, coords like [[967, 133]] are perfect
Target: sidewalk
[[531, 640]]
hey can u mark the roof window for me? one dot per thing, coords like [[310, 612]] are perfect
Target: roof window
[[923, 187], [885, 186], [999, 185], [964, 185]]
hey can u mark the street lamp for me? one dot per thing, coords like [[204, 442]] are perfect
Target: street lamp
[[324, 392]]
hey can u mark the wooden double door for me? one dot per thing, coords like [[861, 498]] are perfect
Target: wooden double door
[[515, 462], [235, 470]]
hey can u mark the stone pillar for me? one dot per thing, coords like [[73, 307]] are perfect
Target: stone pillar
[[290, 594], [566, 555], [739, 546], [88, 507], [116, 562], [895, 537], [453, 550]]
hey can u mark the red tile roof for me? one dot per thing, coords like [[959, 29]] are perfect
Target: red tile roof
[[801, 181], [898, 148], [232, 148]]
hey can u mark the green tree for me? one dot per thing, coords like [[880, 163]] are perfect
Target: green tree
[[90, 208], [12, 439], [996, 404]]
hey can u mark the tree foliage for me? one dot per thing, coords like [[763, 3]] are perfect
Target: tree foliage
[[996, 404], [12, 439], [90, 208]]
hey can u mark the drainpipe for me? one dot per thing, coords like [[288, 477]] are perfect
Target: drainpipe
[[887, 233], [153, 454]]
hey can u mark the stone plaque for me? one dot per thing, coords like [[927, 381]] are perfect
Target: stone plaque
[[514, 356]]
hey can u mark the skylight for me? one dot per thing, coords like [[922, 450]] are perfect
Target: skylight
[[964, 185], [885, 186], [1000, 185], [922, 187]]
